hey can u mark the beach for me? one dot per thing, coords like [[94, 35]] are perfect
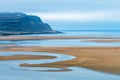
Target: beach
[[105, 59], [25, 57], [103, 40], [6, 38], [60, 40], [98, 58]]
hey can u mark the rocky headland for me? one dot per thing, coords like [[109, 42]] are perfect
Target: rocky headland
[[20, 23]]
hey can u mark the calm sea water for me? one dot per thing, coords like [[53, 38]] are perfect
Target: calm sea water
[[92, 32], [71, 42], [83, 33]]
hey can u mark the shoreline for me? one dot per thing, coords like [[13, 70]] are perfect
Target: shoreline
[[25, 57], [105, 59], [103, 40], [6, 38]]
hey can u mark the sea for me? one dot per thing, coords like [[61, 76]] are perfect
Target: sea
[[10, 70], [70, 42]]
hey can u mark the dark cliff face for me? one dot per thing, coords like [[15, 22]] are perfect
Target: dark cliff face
[[20, 23]]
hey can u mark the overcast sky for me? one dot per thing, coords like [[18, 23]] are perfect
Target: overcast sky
[[59, 5], [63, 10], [82, 9]]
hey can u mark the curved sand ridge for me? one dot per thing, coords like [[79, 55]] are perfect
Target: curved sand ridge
[[106, 59], [24, 58]]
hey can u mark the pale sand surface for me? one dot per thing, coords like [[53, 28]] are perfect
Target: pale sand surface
[[106, 59], [103, 40], [53, 37]]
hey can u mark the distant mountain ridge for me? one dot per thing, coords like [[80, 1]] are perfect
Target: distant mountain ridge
[[20, 23]]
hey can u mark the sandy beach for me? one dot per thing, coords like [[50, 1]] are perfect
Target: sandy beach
[[53, 37], [25, 57], [104, 59], [103, 40]]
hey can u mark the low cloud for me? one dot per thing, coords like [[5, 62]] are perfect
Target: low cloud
[[80, 16]]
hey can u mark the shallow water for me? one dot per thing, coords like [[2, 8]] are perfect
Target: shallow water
[[15, 63], [71, 42], [82, 33], [9, 70]]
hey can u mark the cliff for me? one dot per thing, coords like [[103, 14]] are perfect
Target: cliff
[[20, 23]]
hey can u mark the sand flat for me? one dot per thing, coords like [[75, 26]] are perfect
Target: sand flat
[[106, 59], [25, 57], [54, 37], [103, 40]]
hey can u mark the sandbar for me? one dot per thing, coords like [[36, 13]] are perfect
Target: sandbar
[[105, 59], [103, 40], [25, 57], [3, 38]]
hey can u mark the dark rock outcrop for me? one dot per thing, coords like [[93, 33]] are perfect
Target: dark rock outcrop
[[20, 23]]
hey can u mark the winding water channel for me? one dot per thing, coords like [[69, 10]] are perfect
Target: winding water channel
[[15, 63], [10, 70]]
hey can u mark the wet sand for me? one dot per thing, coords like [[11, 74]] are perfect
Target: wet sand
[[103, 40], [25, 57], [53, 37], [106, 59]]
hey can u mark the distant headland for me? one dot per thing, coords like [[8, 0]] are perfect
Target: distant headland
[[20, 23]]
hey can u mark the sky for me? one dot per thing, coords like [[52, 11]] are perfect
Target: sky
[[66, 14]]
